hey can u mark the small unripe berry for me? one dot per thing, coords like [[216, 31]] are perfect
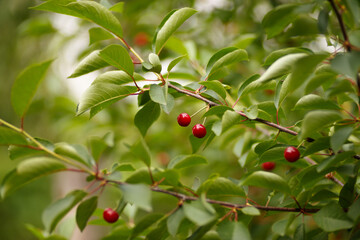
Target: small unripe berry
[[184, 119], [291, 154], [110, 215], [268, 166], [199, 131]]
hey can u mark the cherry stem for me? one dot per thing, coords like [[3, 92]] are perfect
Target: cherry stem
[[194, 114]]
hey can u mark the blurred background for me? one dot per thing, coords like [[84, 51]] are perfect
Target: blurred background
[[29, 36]]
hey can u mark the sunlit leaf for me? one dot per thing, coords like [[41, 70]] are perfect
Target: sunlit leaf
[[169, 25], [25, 86]]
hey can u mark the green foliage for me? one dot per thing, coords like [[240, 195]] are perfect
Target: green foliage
[[301, 89]]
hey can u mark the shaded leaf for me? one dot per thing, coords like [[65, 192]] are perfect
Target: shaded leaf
[[317, 120], [57, 210], [347, 193], [267, 180], [169, 25], [84, 211], [221, 187], [312, 101], [27, 171], [145, 223], [347, 64], [233, 230], [339, 137], [25, 86], [332, 218], [146, 116]]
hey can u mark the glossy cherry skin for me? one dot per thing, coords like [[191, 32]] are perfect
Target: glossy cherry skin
[[268, 166], [199, 131], [184, 119], [110, 215], [291, 154]]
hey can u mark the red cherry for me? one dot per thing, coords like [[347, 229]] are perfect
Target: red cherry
[[268, 166], [183, 119], [291, 154], [199, 131], [110, 215], [141, 39]]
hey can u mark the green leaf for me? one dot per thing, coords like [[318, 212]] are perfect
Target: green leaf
[[216, 86], [169, 25], [9, 136], [347, 193], [174, 220], [141, 150], [184, 161], [98, 144], [300, 233], [116, 77], [27, 171], [145, 223], [272, 57], [225, 57], [317, 120], [233, 230], [230, 118], [339, 137], [170, 104], [98, 14], [99, 96], [267, 180], [279, 18], [138, 194], [124, 167], [57, 6], [157, 94], [146, 116], [252, 112], [199, 212], [118, 57], [279, 68], [347, 64], [318, 145], [252, 211], [25, 86], [57, 210], [221, 187], [174, 62], [217, 110], [117, 7], [98, 34], [89, 64], [354, 211], [312, 102], [301, 71], [334, 160], [246, 83], [85, 210], [332, 218], [74, 151]]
